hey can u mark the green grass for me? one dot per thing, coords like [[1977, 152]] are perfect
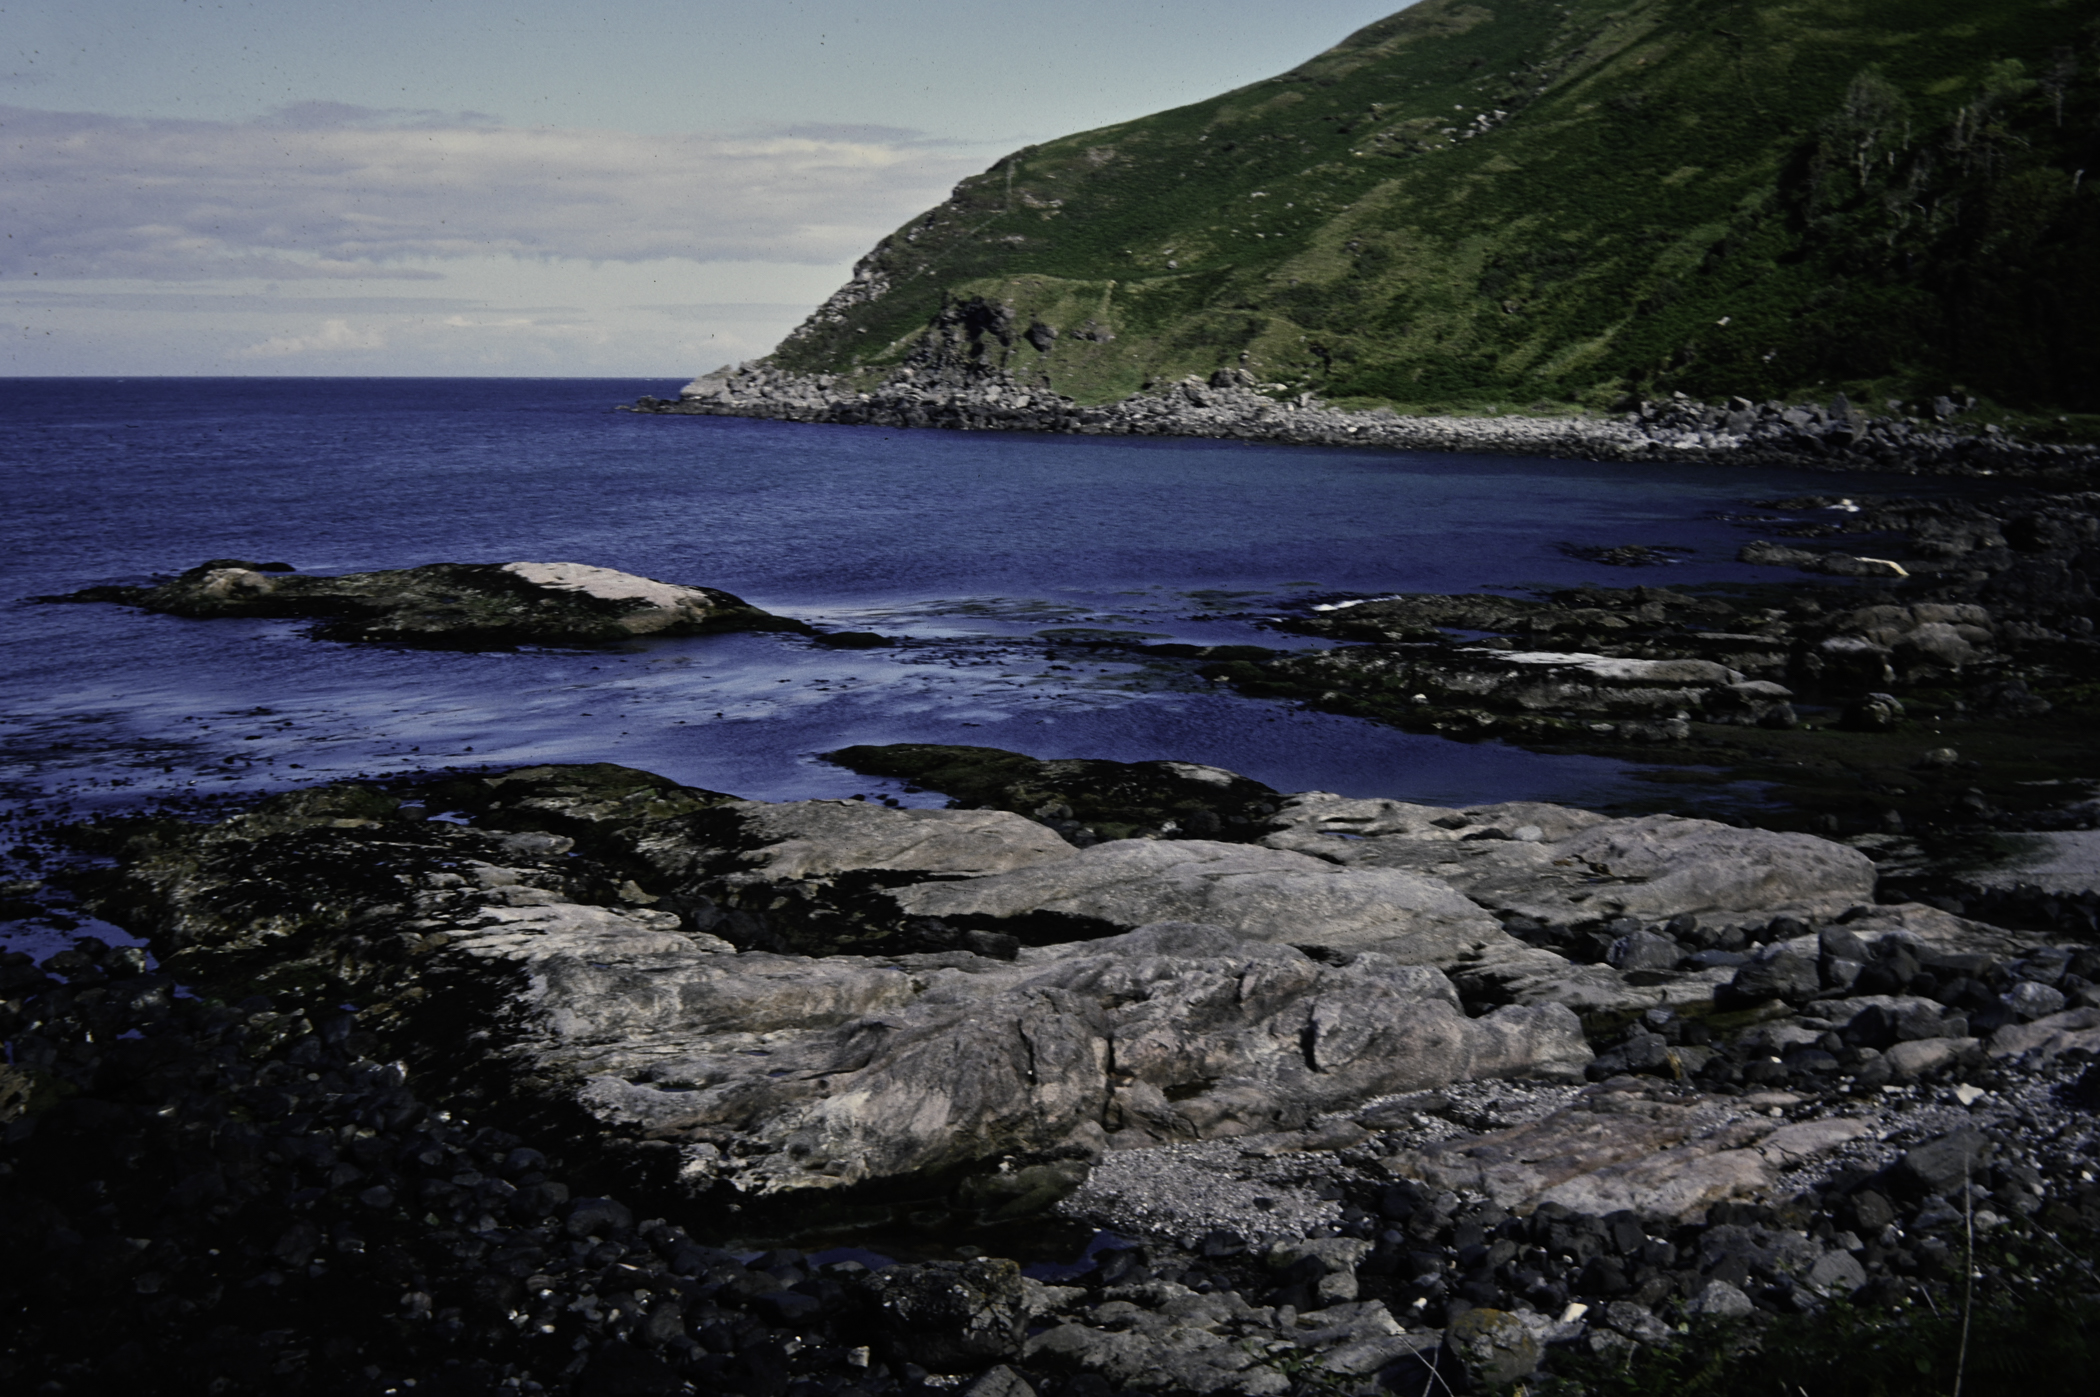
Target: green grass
[[1878, 196]]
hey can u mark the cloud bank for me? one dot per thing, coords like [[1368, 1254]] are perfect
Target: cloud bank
[[326, 191]]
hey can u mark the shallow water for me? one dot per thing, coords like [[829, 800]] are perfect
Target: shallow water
[[992, 554]]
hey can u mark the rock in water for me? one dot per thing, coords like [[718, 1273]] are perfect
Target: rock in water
[[454, 604]]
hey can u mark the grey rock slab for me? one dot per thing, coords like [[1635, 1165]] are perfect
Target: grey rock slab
[[1322, 812], [1361, 1357], [1675, 865], [1269, 894], [1190, 1360], [1923, 1056], [822, 838], [2052, 1035], [1655, 1152], [1584, 866], [782, 1072], [1931, 929]]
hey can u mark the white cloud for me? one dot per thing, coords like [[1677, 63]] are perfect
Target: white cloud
[[333, 337], [324, 191]]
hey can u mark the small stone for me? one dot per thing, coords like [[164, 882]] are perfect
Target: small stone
[[1720, 1300], [597, 1217], [1636, 1322], [999, 1381], [1946, 1163], [1644, 950], [1493, 1347], [1837, 1271], [2028, 1000]]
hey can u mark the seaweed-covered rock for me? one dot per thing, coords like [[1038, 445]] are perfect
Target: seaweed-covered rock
[[1085, 800], [454, 604], [948, 1315]]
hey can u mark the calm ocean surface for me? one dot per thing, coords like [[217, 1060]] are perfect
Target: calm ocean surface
[[971, 544]]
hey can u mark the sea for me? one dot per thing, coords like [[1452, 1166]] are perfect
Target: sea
[[1000, 562]]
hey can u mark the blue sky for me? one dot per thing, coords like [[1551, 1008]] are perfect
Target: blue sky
[[433, 187]]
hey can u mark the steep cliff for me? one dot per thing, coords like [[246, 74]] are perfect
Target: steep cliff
[[1538, 204]]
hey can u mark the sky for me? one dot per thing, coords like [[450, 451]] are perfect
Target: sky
[[432, 187]]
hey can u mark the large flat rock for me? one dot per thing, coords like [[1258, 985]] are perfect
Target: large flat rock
[[1269, 894], [1561, 866], [783, 1073], [1655, 1151]]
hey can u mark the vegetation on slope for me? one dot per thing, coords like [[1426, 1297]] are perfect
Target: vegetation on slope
[[1529, 203]]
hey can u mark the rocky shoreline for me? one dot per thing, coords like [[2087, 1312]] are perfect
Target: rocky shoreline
[[946, 384], [1362, 1096]]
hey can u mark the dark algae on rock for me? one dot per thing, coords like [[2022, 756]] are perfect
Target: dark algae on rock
[[1944, 687], [1086, 801], [450, 604], [1388, 1098]]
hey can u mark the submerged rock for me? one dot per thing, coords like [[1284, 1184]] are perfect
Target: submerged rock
[[453, 604]]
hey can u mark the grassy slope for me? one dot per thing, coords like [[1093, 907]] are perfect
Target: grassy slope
[[1718, 196]]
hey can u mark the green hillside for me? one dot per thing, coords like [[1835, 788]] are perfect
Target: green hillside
[[1539, 204]]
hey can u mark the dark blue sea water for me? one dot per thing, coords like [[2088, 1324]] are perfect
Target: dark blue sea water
[[971, 544]]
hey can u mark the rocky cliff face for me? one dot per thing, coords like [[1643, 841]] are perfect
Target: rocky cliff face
[[1468, 204]]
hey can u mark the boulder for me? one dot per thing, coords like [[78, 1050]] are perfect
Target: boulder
[[1924, 1056], [1783, 970], [1940, 1166], [1493, 1348], [1720, 1300]]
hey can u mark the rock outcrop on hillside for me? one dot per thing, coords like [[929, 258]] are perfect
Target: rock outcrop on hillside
[[451, 604]]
